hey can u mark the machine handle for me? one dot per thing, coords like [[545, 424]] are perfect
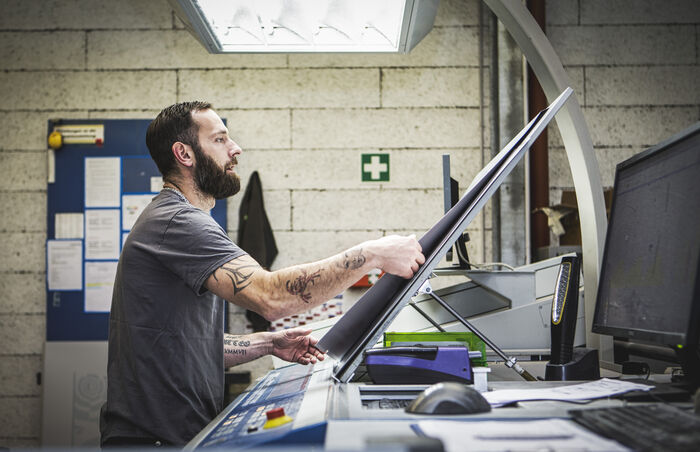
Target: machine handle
[[565, 309]]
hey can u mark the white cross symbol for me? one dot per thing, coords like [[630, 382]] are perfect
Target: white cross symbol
[[375, 167]]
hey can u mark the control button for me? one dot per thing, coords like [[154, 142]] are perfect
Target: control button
[[252, 428], [276, 417]]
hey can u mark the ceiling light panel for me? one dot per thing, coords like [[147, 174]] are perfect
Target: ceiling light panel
[[283, 26]]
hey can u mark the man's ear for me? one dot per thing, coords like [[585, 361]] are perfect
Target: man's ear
[[183, 153]]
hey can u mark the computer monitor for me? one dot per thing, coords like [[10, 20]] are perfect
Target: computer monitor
[[649, 289], [361, 327]]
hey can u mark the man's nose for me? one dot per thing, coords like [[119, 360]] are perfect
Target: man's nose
[[234, 149]]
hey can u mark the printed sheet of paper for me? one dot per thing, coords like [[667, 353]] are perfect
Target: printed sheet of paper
[[64, 264], [132, 206], [102, 234], [156, 183], [68, 226], [604, 387], [547, 434], [99, 283], [102, 181]]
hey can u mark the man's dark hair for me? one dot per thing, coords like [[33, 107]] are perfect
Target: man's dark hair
[[174, 123]]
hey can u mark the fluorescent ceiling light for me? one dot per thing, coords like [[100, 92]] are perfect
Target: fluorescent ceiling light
[[282, 26]]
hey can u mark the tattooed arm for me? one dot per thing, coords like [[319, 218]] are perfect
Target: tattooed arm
[[296, 289], [241, 349], [294, 345]]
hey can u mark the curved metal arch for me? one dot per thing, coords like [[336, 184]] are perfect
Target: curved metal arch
[[579, 149]]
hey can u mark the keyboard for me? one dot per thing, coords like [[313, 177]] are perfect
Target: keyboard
[[644, 427]]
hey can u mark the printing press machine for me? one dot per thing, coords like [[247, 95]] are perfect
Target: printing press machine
[[325, 405], [329, 415], [337, 415]]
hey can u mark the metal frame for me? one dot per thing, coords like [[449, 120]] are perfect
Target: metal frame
[[579, 149]]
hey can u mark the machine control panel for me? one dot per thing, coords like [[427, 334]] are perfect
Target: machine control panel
[[247, 420]]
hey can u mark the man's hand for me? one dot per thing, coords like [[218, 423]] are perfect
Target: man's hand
[[295, 345], [397, 255]]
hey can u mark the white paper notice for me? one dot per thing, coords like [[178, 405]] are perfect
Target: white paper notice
[[68, 226], [102, 181], [102, 234], [605, 387], [64, 264], [132, 206], [156, 183], [99, 282]]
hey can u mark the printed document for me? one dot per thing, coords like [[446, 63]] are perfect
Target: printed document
[[605, 387]]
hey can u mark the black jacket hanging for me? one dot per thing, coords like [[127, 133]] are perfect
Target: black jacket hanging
[[255, 236]]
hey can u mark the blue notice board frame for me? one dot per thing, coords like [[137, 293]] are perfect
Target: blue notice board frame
[[66, 319]]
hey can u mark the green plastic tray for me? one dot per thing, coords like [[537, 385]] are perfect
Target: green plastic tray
[[468, 339]]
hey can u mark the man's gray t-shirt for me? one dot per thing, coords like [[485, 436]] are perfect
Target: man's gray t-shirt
[[165, 365]]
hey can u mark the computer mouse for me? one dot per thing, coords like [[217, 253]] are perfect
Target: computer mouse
[[449, 398]]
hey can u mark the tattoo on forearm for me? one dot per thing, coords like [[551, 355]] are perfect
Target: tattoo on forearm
[[299, 285], [353, 260], [235, 341], [239, 276]]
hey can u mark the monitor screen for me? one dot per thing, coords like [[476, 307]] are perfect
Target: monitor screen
[[361, 327], [648, 289]]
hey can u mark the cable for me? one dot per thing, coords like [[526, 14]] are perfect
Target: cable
[[491, 264]]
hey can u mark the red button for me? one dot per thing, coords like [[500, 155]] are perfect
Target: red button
[[274, 413]]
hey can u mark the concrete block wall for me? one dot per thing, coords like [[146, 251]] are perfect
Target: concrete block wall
[[635, 66], [303, 121]]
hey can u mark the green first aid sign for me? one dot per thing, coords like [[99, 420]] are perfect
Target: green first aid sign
[[375, 167]]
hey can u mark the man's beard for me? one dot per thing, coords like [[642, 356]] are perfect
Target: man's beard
[[213, 180]]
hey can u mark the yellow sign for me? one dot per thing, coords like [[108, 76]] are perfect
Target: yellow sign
[[81, 133]]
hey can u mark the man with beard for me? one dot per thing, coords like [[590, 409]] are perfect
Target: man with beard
[[167, 346]]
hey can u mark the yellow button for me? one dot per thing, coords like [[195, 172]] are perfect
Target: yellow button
[[276, 417]]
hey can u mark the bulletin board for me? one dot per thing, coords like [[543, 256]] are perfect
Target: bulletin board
[[100, 179]]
